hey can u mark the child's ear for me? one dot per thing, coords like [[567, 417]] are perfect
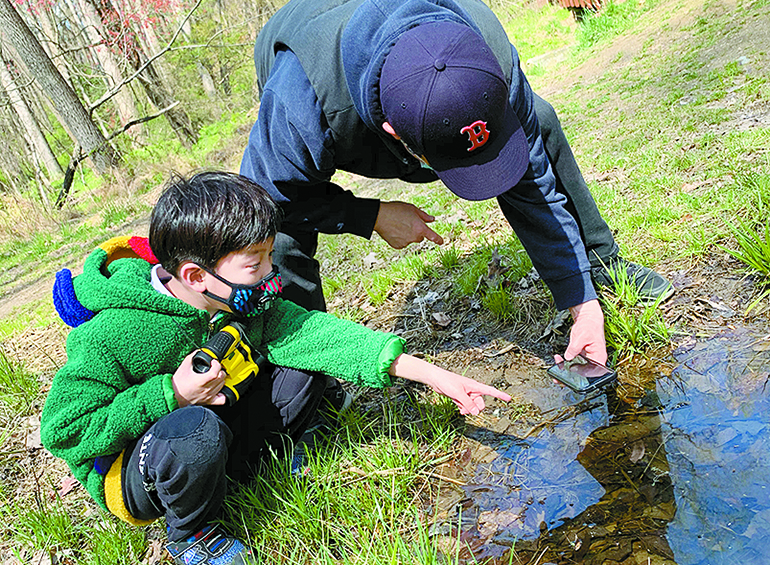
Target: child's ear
[[192, 276]]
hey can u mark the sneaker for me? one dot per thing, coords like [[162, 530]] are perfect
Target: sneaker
[[209, 547], [650, 285]]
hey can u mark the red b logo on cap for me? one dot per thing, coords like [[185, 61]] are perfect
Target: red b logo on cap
[[478, 134]]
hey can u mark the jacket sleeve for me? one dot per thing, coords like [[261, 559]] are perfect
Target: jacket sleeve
[[290, 154], [93, 409], [317, 341], [537, 213]]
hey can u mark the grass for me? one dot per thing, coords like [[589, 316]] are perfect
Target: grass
[[612, 20], [48, 527], [631, 325], [655, 122], [753, 239], [357, 505], [753, 245], [19, 388]]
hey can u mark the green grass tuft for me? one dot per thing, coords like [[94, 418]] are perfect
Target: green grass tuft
[[18, 387], [631, 325]]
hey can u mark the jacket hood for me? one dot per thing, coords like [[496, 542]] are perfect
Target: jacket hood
[[115, 275], [369, 36]]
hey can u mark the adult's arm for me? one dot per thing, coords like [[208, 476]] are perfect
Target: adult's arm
[[537, 212], [291, 154]]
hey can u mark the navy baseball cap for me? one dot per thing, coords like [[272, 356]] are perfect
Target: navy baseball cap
[[445, 95]]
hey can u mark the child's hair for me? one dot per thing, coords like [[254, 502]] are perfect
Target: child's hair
[[209, 215]]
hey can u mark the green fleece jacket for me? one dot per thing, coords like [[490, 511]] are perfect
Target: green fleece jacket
[[117, 379]]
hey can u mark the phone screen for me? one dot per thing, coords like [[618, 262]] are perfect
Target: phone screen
[[582, 374]]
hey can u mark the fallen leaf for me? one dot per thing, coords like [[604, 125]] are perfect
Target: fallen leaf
[[41, 558], [558, 326], [691, 186], [503, 351], [154, 553], [637, 451], [442, 319], [67, 484], [495, 269], [429, 298], [32, 441], [370, 261], [501, 518], [487, 530]]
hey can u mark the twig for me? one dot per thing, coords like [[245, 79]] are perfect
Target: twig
[[211, 46], [140, 121], [146, 64], [438, 461], [78, 156], [503, 351], [539, 556], [564, 413], [442, 478]]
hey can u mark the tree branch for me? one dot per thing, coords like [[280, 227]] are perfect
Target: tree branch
[[78, 156], [212, 46], [146, 64]]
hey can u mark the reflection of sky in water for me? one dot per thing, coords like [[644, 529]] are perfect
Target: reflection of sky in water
[[719, 452], [715, 414], [539, 478]]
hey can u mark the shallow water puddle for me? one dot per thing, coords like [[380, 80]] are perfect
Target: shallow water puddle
[[680, 478]]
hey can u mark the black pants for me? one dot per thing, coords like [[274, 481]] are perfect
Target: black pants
[[294, 254], [179, 467]]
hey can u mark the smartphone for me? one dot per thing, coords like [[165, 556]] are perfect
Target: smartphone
[[582, 375]]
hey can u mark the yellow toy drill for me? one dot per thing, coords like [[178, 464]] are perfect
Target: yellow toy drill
[[232, 349]]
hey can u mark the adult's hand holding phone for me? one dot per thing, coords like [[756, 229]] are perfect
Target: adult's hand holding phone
[[587, 334]]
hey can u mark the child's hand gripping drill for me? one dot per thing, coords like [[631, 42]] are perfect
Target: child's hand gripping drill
[[231, 348]]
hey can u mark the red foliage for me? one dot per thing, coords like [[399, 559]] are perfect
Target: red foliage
[[34, 6], [119, 17]]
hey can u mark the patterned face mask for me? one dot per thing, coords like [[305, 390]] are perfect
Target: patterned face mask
[[249, 299]]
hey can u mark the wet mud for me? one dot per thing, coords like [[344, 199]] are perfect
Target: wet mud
[[670, 466]]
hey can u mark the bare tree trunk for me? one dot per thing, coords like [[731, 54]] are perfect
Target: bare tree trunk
[[158, 91], [149, 40], [13, 161], [56, 88], [51, 43], [42, 190], [178, 119], [208, 83], [34, 135], [124, 100]]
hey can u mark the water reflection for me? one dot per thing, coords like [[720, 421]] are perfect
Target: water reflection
[[677, 477], [720, 451]]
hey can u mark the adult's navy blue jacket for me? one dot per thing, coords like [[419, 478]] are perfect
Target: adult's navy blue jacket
[[318, 65]]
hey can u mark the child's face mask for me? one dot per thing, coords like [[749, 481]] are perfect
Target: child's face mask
[[249, 299]]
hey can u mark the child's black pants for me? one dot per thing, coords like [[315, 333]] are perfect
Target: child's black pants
[[178, 468]]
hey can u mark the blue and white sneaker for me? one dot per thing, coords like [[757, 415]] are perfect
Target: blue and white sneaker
[[209, 547]]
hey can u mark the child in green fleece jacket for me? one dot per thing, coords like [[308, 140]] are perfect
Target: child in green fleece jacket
[[150, 437]]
